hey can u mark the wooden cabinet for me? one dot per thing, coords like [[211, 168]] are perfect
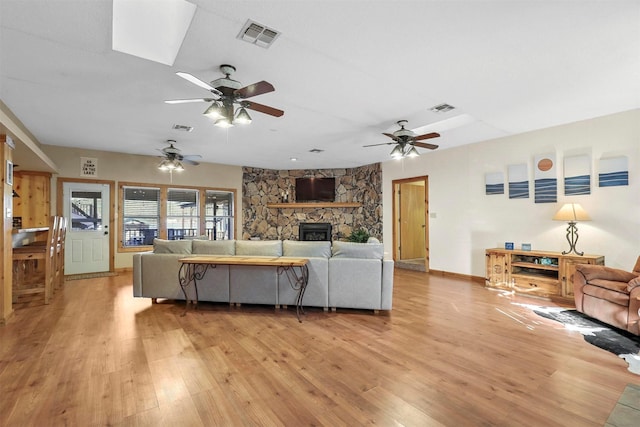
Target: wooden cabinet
[[33, 202], [536, 273], [497, 269]]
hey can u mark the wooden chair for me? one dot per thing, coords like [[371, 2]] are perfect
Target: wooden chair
[[33, 266], [59, 259]]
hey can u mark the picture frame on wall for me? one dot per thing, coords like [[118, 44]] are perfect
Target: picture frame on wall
[[577, 175], [518, 181], [9, 177], [494, 183], [545, 180], [614, 171]]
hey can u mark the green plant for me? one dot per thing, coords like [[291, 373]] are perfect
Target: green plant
[[359, 236]]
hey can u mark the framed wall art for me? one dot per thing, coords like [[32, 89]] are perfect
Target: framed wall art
[[577, 175], [518, 182], [9, 176], [545, 179], [494, 183], [613, 171]]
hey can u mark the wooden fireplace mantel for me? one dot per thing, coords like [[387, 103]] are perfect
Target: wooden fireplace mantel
[[314, 205]]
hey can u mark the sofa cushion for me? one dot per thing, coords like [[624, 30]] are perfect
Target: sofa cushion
[[259, 247], [214, 247], [161, 246], [612, 285], [591, 272], [357, 250], [296, 248], [615, 297]]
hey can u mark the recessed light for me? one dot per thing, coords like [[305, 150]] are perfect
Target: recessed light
[[294, 159]]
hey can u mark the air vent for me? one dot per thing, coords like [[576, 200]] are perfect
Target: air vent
[[183, 128], [316, 150], [442, 108], [258, 34]]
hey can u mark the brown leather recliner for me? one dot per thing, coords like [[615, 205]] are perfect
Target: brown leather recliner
[[609, 295]]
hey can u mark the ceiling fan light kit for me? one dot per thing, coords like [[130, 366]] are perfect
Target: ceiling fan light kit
[[406, 142], [172, 159], [213, 111], [242, 117], [227, 94], [170, 165]]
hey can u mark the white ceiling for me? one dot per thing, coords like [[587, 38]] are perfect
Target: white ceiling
[[344, 71]]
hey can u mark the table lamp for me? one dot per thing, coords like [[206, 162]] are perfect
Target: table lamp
[[572, 212]]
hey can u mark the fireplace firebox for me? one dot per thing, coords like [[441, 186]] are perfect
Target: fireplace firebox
[[315, 231]]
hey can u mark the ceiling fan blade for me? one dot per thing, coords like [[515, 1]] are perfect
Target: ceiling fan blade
[[185, 101], [375, 145], [254, 89], [425, 145], [262, 108], [196, 81], [191, 162], [192, 157], [395, 138], [426, 136]]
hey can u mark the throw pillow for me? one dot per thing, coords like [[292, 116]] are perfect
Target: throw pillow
[[214, 247], [296, 248], [161, 246], [357, 250], [259, 247]]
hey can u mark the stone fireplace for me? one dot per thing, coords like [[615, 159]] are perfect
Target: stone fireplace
[[315, 231]]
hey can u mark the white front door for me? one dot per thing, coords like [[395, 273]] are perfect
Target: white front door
[[86, 208]]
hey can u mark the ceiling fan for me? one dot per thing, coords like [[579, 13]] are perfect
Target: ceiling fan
[[406, 141], [227, 93], [172, 159]]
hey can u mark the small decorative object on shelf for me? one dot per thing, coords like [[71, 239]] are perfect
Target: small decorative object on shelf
[[526, 246], [508, 245]]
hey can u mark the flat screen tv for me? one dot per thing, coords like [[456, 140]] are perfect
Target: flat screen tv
[[315, 189]]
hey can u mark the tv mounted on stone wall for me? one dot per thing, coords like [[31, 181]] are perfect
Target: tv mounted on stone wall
[[315, 189]]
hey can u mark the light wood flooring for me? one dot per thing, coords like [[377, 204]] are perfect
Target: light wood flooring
[[451, 353]]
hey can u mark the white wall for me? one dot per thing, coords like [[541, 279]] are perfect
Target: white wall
[[468, 221], [143, 169]]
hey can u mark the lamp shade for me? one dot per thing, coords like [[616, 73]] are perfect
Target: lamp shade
[[412, 152], [572, 212], [397, 152]]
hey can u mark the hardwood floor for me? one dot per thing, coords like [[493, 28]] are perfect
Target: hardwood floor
[[451, 353]]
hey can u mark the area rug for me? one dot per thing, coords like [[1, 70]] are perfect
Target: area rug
[[619, 342]]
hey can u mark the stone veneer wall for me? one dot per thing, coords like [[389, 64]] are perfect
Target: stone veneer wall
[[262, 186]]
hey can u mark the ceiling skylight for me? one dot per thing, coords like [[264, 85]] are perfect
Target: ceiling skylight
[[151, 30]]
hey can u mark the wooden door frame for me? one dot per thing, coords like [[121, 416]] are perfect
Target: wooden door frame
[[394, 214], [112, 207]]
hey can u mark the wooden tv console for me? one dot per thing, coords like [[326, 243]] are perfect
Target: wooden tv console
[[536, 273]]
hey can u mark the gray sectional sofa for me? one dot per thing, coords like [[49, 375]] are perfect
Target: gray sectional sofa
[[341, 274]]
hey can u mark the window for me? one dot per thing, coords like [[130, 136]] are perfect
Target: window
[[173, 213], [219, 214], [140, 215], [183, 218], [86, 207]]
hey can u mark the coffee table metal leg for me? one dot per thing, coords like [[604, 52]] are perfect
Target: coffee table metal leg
[[191, 273], [298, 282]]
